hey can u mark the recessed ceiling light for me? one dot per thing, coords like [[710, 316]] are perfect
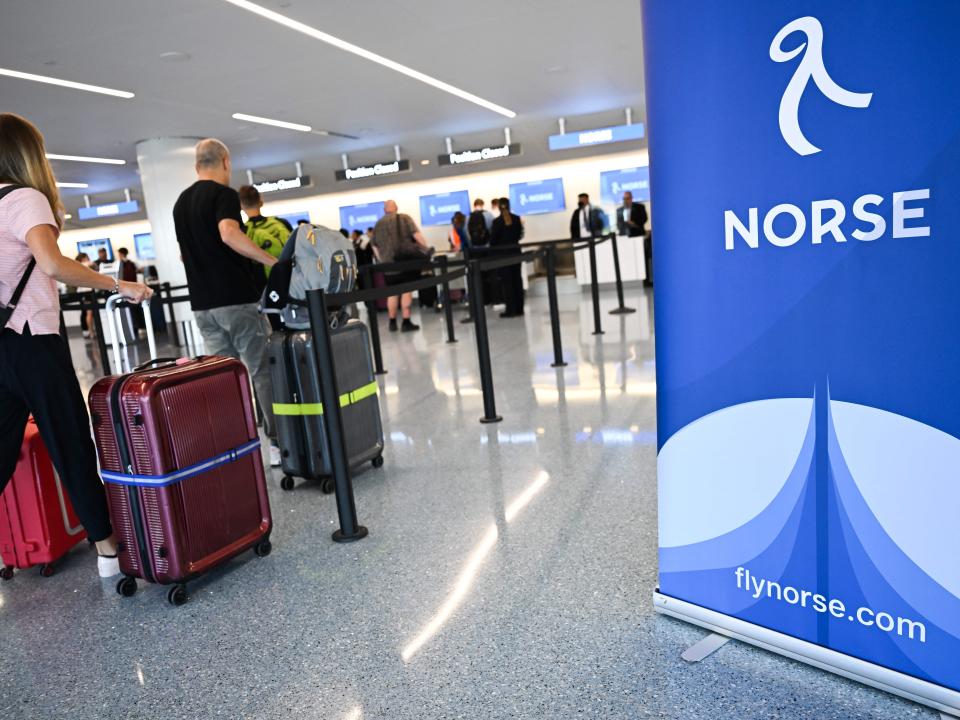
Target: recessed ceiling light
[[175, 56], [424, 162], [72, 185], [275, 123], [66, 83], [368, 55], [82, 158]]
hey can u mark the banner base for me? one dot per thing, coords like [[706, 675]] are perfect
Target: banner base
[[919, 691]]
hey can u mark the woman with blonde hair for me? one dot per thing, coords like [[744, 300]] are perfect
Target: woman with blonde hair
[[36, 375]]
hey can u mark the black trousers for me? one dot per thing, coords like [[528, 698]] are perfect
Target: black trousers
[[511, 280], [37, 377]]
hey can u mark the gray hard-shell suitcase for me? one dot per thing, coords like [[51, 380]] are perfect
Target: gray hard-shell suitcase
[[301, 426]]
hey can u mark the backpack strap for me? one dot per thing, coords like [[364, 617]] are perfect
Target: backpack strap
[[25, 278]]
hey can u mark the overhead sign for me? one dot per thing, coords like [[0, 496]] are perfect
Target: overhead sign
[[360, 217], [101, 211], [807, 463], [614, 183], [537, 197], [439, 209], [377, 170], [466, 157], [600, 136], [294, 183]]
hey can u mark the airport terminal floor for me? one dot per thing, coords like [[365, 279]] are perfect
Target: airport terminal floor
[[507, 574]]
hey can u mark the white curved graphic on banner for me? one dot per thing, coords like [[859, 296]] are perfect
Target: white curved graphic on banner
[[811, 66], [906, 472], [724, 469]]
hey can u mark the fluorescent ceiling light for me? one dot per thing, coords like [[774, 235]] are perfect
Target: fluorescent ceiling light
[[367, 55], [72, 185], [82, 158], [66, 83], [68, 216], [275, 123]]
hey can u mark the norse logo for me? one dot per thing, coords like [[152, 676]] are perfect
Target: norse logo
[[811, 67]]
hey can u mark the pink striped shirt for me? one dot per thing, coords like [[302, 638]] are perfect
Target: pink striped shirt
[[21, 211]]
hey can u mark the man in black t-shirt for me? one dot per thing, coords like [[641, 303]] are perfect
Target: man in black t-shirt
[[216, 254]]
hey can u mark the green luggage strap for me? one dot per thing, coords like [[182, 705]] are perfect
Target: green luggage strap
[[350, 398]]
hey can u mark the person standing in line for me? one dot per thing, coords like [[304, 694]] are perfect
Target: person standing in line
[[361, 248], [223, 293], [632, 222], [270, 234], [587, 220], [505, 236], [101, 258], [396, 238], [479, 225], [128, 268], [494, 210], [37, 376], [457, 235]]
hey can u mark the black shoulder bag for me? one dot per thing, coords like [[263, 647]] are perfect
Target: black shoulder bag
[[7, 311], [409, 248]]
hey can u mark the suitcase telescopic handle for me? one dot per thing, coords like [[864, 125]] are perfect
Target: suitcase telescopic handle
[[156, 361]]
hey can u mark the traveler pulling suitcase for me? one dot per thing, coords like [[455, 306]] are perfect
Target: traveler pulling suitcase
[[301, 429], [37, 523], [180, 456]]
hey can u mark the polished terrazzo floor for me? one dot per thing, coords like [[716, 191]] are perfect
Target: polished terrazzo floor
[[508, 571]]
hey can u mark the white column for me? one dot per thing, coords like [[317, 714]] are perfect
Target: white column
[[167, 168]]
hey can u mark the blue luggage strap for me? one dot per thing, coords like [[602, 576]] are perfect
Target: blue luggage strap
[[155, 481]]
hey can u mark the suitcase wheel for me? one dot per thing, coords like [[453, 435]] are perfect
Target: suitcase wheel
[[286, 483], [178, 595], [6, 573], [327, 485], [127, 586], [46, 570], [263, 548], [377, 461]]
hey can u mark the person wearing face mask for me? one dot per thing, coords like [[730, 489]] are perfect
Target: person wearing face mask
[[587, 220]]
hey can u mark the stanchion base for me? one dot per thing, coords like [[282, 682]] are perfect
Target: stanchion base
[[560, 364], [468, 319], [381, 372], [451, 342], [487, 421], [361, 533], [598, 332], [623, 310]]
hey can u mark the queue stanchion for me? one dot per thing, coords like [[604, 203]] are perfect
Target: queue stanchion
[[101, 340], [620, 309], [594, 285], [374, 319], [63, 334], [483, 344], [167, 300], [558, 360], [447, 305], [350, 529]]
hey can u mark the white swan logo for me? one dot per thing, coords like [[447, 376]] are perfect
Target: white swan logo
[[811, 67]]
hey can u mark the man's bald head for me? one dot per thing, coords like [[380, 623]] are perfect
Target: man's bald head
[[390, 206], [213, 161]]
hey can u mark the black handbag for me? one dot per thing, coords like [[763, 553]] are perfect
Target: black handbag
[[6, 312], [410, 249]]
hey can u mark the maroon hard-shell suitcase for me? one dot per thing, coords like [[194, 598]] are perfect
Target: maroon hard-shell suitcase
[[180, 456]]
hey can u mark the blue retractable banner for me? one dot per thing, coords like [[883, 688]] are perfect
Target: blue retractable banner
[[537, 197], [360, 217], [614, 183], [807, 264], [439, 209]]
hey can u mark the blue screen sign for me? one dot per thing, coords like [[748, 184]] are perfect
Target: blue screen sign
[[600, 136], [360, 217], [102, 211], [439, 209], [614, 183], [144, 245], [538, 197]]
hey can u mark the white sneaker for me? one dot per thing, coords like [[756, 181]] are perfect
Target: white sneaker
[[275, 457], [108, 567], [86, 334]]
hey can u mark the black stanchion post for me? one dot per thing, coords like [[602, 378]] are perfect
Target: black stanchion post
[[63, 334], [594, 286], [558, 360], [101, 340], [447, 305], [374, 318], [621, 309], [350, 529], [171, 322], [483, 344]]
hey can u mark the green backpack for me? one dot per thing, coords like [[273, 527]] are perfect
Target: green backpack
[[270, 234]]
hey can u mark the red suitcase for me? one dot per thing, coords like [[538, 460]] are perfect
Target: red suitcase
[[37, 523], [180, 455]]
